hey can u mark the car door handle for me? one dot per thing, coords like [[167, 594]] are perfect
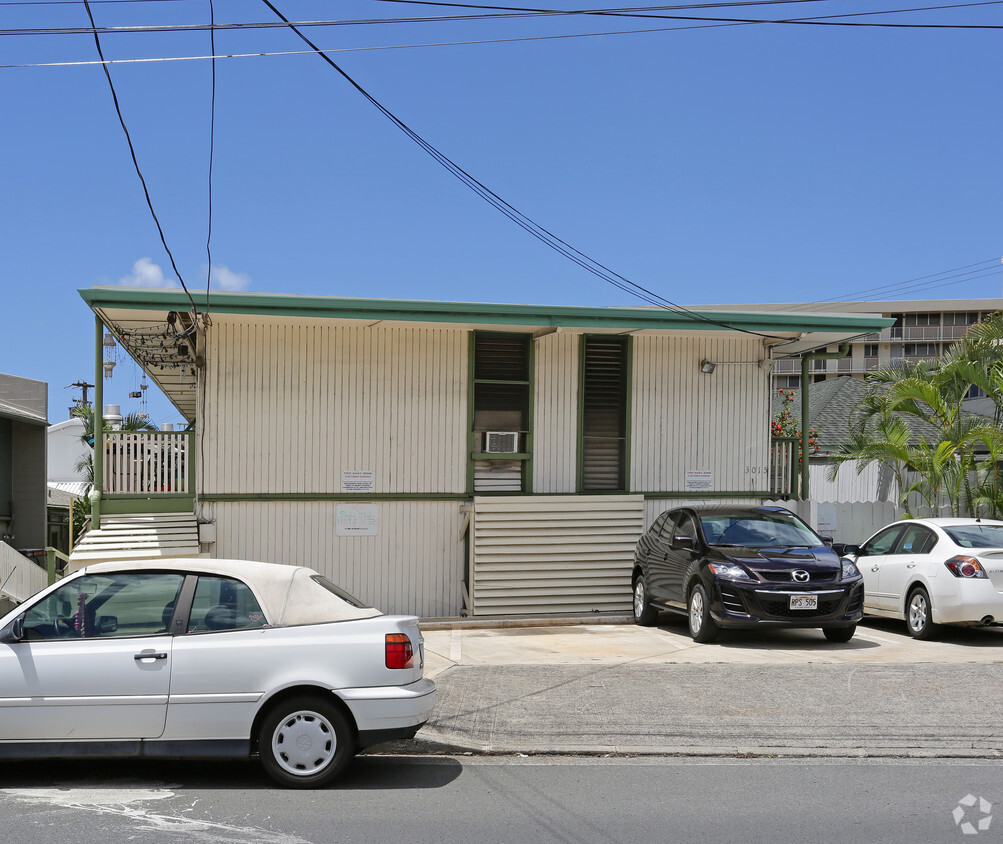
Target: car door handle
[[875, 568], [911, 566], [150, 655]]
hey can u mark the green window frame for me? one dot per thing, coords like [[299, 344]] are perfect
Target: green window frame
[[500, 400], [604, 393]]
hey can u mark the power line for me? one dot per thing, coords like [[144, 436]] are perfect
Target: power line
[[945, 278], [542, 234], [266, 54], [648, 12], [135, 161]]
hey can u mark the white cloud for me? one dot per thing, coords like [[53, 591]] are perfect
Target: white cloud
[[226, 279], [147, 274]]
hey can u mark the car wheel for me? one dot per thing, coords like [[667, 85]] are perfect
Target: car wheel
[[644, 613], [839, 634], [305, 742], [918, 616], [703, 629]]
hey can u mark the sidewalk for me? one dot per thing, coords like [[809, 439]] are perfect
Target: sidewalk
[[621, 689]]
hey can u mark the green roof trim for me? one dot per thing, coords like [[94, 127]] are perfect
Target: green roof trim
[[333, 307]]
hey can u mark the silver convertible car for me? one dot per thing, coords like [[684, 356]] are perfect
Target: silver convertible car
[[208, 659]]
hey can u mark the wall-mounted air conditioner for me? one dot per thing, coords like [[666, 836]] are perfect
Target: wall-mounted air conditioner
[[501, 442]]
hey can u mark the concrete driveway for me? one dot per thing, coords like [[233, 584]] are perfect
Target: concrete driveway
[[620, 689], [877, 641]]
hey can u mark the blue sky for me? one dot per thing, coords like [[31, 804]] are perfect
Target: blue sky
[[716, 164]]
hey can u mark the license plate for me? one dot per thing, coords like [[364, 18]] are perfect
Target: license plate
[[804, 602]]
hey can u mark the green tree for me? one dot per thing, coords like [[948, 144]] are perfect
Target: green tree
[[911, 419]]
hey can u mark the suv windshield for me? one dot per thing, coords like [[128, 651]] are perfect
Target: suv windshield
[[758, 529], [976, 536]]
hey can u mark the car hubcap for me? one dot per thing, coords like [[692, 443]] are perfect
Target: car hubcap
[[638, 599], [304, 743], [696, 611], [917, 612]]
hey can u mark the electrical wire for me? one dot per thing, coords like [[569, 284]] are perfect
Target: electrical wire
[[132, 152], [542, 234], [648, 12], [266, 54], [946, 278]]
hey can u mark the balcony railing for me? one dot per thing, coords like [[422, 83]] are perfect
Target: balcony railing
[[899, 333], [785, 466], [150, 463]]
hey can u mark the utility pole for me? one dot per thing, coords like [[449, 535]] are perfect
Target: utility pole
[[83, 385]]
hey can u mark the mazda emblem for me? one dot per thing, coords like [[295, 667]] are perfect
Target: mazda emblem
[[801, 576]]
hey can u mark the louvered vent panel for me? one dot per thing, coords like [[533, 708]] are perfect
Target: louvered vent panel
[[604, 413], [546, 554]]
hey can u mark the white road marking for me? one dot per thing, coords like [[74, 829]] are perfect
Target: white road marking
[[455, 650], [120, 802]]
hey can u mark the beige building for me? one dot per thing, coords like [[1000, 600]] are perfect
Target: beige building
[[436, 458]]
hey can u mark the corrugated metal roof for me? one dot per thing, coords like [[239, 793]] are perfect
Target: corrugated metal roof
[[139, 319]]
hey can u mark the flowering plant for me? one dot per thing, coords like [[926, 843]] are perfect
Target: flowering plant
[[785, 425]]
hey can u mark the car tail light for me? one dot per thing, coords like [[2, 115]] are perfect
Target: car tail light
[[400, 654], [962, 566]]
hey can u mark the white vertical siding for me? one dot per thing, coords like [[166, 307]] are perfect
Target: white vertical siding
[[555, 413], [414, 565], [654, 507], [683, 419], [292, 406], [873, 483]]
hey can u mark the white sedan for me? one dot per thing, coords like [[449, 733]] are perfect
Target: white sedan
[[933, 571], [209, 659]]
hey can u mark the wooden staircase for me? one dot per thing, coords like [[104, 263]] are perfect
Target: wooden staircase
[[138, 536]]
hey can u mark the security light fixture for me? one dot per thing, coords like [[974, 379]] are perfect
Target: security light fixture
[[706, 367]]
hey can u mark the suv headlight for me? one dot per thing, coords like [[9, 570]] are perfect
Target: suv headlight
[[729, 571], [849, 569]]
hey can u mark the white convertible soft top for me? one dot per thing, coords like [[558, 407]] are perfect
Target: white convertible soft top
[[288, 595]]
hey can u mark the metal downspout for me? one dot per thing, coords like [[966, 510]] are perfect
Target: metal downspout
[[98, 415], [844, 350]]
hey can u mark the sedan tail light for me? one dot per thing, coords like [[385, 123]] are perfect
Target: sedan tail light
[[399, 652], [962, 566]]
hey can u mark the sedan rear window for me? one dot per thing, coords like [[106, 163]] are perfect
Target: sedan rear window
[[976, 536], [337, 590]]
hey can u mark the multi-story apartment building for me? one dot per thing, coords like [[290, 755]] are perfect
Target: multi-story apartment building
[[923, 329]]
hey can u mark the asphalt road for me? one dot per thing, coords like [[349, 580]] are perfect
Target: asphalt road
[[457, 799]]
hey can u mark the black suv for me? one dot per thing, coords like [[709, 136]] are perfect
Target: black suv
[[744, 567]]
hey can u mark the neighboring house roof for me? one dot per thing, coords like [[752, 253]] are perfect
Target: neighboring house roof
[[23, 414], [61, 493], [23, 399], [831, 407], [119, 307]]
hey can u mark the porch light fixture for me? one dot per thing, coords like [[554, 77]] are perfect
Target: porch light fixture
[[706, 367]]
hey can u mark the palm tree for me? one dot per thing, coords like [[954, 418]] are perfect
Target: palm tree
[[911, 419]]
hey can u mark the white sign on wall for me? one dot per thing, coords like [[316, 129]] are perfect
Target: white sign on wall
[[358, 481], [699, 480], [825, 520], [357, 520]]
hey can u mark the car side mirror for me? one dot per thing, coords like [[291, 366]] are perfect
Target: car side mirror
[[851, 549], [14, 632], [826, 540], [683, 542], [107, 624]]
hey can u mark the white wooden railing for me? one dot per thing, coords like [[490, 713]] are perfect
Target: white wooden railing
[[785, 466], [20, 577], [154, 463]]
